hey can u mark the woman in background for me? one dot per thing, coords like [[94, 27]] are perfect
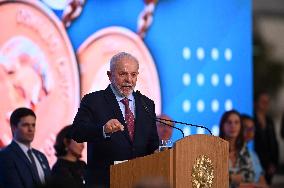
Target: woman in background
[[241, 171], [249, 132], [69, 170]]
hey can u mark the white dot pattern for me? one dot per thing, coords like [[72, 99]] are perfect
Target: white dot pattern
[[186, 105], [200, 130], [228, 80], [214, 54], [214, 79], [215, 130], [186, 79], [186, 53], [228, 54], [200, 79], [186, 131], [200, 53], [228, 105], [215, 105], [200, 105]]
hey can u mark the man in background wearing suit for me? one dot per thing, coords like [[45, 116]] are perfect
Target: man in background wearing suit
[[118, 123], [21, 166]]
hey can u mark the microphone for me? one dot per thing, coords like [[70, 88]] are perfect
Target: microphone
[[169, 125], [189, 124], [161, 119]]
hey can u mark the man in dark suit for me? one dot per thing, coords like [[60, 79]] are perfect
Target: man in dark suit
[[117, 122], [21, 166]]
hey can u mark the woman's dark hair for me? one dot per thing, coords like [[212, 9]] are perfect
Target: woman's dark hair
[[60, 144], [246, 117], [240, 138]]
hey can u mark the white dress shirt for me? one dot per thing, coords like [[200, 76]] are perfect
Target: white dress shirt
[[121, 105], [38, 165]]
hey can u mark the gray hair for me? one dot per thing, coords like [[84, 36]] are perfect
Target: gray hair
[[118, 57]]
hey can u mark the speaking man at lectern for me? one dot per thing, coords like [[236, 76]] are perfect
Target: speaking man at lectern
[[114, 122]]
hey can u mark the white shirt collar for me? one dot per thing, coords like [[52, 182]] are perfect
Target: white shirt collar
[[24, 147]]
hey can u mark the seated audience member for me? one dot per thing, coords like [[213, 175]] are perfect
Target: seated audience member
[[249, 129], [69, 170], [241, 171], [22, 166], [164, 131]]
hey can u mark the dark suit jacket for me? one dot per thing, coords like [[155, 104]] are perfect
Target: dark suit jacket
[[16, 170], [95, 110]]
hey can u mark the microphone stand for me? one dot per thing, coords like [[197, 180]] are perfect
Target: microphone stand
[[161, 119], [183, 123]]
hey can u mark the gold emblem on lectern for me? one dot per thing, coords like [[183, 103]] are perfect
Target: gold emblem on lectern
[[202, 172]]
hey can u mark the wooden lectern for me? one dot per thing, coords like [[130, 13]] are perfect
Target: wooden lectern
[[194, 161]]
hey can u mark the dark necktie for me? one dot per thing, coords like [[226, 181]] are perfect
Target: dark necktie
[[33, 164], [129, 118]]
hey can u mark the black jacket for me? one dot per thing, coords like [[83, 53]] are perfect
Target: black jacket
[[95, 110]]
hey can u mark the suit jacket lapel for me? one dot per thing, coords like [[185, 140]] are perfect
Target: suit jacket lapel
[[111, 99], [139, 113], [21, 155]]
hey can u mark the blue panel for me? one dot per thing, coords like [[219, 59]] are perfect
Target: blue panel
[[180, 28]]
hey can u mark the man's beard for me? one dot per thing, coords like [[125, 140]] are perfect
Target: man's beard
[[119, 91]]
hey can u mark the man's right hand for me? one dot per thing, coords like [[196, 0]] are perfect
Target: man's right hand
[[112, 126]]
